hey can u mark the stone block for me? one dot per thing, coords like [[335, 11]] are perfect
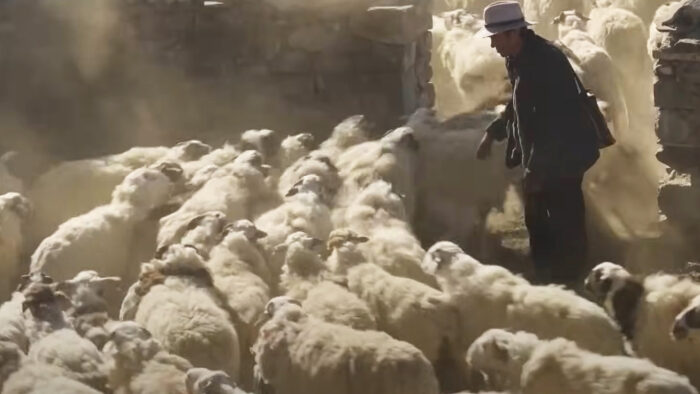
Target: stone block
[[679, 200], [676, 93], [391, 24], [683, 159], [679, 127], [314, 38]]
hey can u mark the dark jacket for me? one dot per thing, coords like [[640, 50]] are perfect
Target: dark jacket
[[544, 122]]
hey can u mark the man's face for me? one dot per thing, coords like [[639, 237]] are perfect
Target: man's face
[[506, 43]]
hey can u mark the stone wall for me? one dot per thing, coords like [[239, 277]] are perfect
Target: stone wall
[[184, 68], [677, 96]]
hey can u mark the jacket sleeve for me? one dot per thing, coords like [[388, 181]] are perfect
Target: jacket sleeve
[[498, 129]]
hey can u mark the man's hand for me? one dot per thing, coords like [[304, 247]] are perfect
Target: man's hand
[[484, 149]]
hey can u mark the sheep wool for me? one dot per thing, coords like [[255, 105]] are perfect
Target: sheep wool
[[15, 211]]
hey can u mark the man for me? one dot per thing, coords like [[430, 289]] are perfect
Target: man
[[546, 135]]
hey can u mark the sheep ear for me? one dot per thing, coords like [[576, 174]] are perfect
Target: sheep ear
[[172, 170], [559, 18], [160, 252], [260, 234], [294, 189], [195, 222]]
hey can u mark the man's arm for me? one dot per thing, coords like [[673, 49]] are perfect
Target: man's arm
[[496, 131]]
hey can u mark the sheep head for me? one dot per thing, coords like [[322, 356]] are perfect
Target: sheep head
[[311, 183], [344, 237], [248, 228], [277, 304], [207, 230], [351, 131], [687, 322], [33, 277], [444, 257], [205, 381], [16, 204], [619, 292], [303, 255], [500, 354], [146, 188], [344, 251], [251, 159], [265, 141], [130, 345], [191, 150], [87, 290], [43, 301]]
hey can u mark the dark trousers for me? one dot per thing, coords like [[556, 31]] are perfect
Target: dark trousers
[[555, 220]]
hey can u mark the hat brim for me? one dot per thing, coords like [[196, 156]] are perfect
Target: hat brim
[[490, 31]]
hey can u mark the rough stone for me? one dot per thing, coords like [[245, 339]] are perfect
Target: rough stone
[[676, 93], [391, 24], [679, 127], [679, 201]]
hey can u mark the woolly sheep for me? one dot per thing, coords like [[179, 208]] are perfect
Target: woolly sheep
[[543, 12], [240, 272], [644, 9], [533, 366], [597, 68], [103, 238], [292, 148], [44, 311], [175, 299], [502, 299], [265, 141], [474, 67], [299, 354], [203, 232], [15, 210], [305, 209], [204, 381], [353, 130], [416, 313], [315, 163], [12, 321], [238, 190], [82, 185], [379, 214], [646, 310], [38, 378], [139, 365], [11, 360]]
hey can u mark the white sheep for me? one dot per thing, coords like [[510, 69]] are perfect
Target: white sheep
[[530, 365], [646, 311], [240, 272], [542, 12], [416, 313], [103, 238], [237, 189], [139, 365], [82, 185], [597, 68], [292, 148], [38, 378], [11, 360], [15, 211], [203, 232], [12, 321], [501, 299], [305, 209], [379, 214], [315, 163], [351, 131], [644, 9], [175, 299], [265, 141], [204, 381], [466, 63], [299, 354]]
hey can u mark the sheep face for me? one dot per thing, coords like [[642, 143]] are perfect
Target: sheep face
[[344, 240], [687, 323], [245, 226], [87, 290], [276, 304], [439, 256], [145, 188], [308, 184], [490, 354], [204, 381], [16, 204], [33, 277], [252, 158], [192, 150], [44, 303], [618, 291], [305, 140], [265, 141], [130, 344], [305, 241]]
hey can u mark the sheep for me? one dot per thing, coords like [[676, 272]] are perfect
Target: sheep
[[511, 301], [687, 322], [305, 209], [646, 312], [139, 365], [296, 353], [292, 148], [597, 68], [645, 9], [89, 313], [103, 238], [12, 321], [240, 272], [353, 130], [416, 313], [265, 141], [315, 163], [38, 378], [15, 211], [82, 185], [203, 232], [542, 12], [204, 381], [534, 366], [467, 63], [238, 190], [175, 299], [393, 158], [43, 309], [378, 213]]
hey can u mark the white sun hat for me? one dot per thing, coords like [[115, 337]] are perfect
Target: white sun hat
[[502, 16]]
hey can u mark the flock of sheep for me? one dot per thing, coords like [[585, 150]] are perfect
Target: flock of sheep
[[278, 265]]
